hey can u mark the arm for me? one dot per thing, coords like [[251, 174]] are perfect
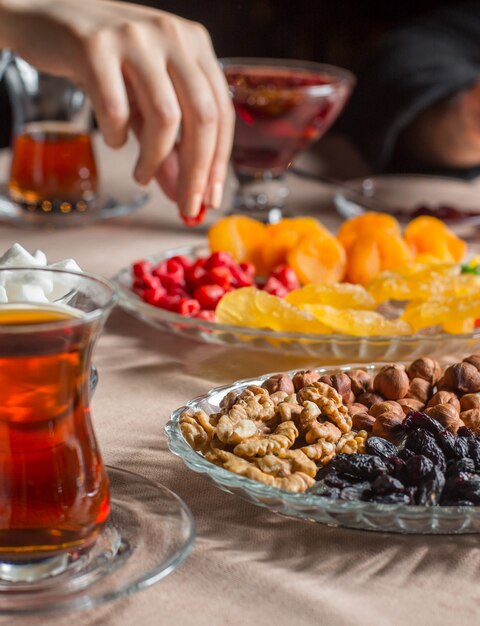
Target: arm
[[143, 69]]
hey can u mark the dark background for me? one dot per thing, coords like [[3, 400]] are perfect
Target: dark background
[[341, 32]]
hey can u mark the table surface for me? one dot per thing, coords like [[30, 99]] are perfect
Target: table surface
[[248, 565]]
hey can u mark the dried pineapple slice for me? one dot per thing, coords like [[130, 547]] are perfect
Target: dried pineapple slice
[[435, 312], [341, 295], [358, 323]]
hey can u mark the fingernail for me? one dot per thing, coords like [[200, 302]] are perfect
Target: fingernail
[[142, 178], [216, 196], [192, 207]]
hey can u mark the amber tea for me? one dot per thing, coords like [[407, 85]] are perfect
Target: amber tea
[[53, 487]]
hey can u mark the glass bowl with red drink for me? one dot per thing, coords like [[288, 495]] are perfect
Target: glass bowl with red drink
[[281, 106]]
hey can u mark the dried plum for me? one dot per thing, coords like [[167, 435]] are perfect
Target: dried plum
[[462, 448], [416, 420], [430, 490], [418, 469], [423, 442], [466, 432], [455, 467], [396, 468], [362, 491], [462, 488], [474, 451], [383, 485], [381, 447], [320, 489], [365, 466], [446, 441]]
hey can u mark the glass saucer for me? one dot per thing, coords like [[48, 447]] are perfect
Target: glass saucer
[[105, 206], [149, 533]]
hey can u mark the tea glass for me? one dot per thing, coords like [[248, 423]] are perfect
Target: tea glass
[[281, 106], [53, 166], [54, 494]]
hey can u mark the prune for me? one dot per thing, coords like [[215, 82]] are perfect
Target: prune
[[446, 440], [362, 491], [396, 468], [474, 451], [429, 492], [383, 485], [462, 449], [418, 469], [423, 442], [365, 466], [416, 420], [392, 498], [381, 447], [405, 454], [462, 488], [466, 432], [455, 467], [333, 480]]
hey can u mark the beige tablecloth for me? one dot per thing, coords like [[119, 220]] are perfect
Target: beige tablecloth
[[248, 566]]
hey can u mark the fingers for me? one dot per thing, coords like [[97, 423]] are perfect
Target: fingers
[[159, 111]]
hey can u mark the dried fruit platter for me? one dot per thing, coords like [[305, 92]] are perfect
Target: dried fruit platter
[[326, 348], [438, 460]]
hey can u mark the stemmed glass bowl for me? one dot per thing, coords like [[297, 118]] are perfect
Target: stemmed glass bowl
[[281, 106]]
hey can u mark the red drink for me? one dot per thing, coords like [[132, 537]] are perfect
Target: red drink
[[53, 487], [279, 112], [53, 169]]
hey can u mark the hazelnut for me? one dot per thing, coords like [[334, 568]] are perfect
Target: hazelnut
[[473, 359], [420, 389], [444, 397], [471, 418], [355, 408], [410, 404], [461, 377], [392, 382], [303, 378], [342, 383], [279, 382], [470, 401], [388, 406], [447, 415], [363, 421], [425, 368], [367, 398], [388, 426], [360, 381]]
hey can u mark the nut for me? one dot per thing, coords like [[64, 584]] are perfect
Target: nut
[[461, 377], [473, 359], [281, 439], [389, 406], [470, 401], [420, 389], [303, 378], [425, 368], [392, 382], [355, 408], [444, 397], [368, 398], [279, 382], [388, 426], [447, 415], [360, 381], [471, 418], [363, 421], [342, 383], [410, 404]]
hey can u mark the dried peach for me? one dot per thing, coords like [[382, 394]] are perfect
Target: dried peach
[[363, 261], [284, 236], [394, 251], [341, 295], [366, 224], [430, 235], [252, 307], [318, 258], [242, 236], [355, 322]]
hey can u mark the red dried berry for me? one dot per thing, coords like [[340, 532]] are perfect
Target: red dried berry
[[209, 296], [141, 268], [220, 259], [208, 316], [286, 276], [218, 276], [194, 276], [151, 282], [169, 302], [247, 268], [274, 287], [240, 278], [170, 273], [188, 307], [153, 296], [184, 261], [194, 221]]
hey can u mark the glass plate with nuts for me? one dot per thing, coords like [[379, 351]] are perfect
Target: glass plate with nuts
[[392, 448], [325, 348]]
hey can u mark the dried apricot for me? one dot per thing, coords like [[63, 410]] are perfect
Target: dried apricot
[[318, 258], [341, 295], [363, 261], [366, 225], [252, 307], [359, 323], [394, 250], [429, 235], [242, 236]]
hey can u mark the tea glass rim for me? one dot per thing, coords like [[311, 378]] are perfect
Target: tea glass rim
[[340, 75], [99, 311]]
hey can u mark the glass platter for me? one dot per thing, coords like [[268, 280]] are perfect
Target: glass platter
[[150, 531], [398, 518], [333, 348]]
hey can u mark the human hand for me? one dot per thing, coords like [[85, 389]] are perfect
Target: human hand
[[143, 69]]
